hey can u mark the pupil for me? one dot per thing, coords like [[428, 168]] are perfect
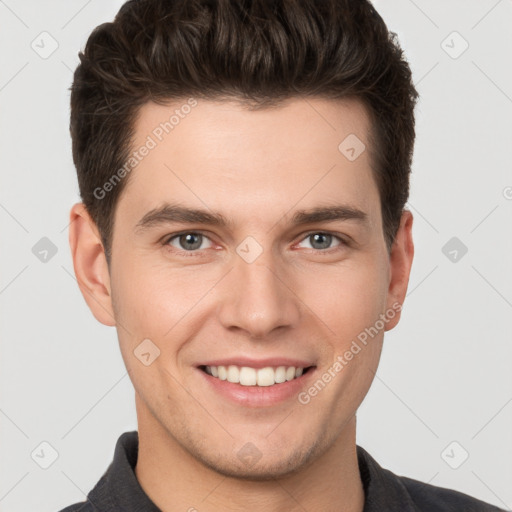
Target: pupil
[[327, 239], [188, 238]]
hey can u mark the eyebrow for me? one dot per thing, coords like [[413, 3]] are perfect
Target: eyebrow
[[170, 213]]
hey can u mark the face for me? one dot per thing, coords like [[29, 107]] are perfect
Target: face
[[285, 266]]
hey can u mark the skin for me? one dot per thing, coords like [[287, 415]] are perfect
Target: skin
[[296, 299]]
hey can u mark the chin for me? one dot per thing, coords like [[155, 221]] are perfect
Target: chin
[[250, 463], [259, 471]]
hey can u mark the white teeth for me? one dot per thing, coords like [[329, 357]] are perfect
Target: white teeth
[[280, 374], [266, 376], [247, 376], [233, 374], [222, 372], [290, 373]]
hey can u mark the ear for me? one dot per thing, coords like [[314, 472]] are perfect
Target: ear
[[400, 259], [90, 264]]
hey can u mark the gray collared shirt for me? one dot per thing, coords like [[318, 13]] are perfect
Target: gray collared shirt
[[119, 491]]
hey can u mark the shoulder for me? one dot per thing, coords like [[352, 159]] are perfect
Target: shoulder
[[386, 491], [430, 498]]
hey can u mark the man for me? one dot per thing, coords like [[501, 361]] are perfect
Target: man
[[244, 168]]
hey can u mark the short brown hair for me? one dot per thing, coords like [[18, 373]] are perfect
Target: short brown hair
[[255, 51]]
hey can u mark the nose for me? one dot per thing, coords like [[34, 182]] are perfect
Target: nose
[[257, 298]]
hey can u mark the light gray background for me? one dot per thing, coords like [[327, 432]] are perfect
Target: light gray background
[[445, 370]]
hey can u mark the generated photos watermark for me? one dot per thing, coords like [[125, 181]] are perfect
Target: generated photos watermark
[[152, 140], [342, 360]]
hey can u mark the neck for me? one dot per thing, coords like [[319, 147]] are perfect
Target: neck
[[174, 480]]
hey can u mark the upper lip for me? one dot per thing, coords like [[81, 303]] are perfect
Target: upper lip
[[259, 363]]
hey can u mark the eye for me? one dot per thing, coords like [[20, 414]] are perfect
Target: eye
[[193, 241], [321, 241], [189, 241]]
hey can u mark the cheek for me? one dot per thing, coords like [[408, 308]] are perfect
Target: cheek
[[145, 296], [349, 298], [140, 308], [157, 303]]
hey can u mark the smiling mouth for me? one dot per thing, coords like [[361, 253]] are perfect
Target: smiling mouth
[[257, 377]]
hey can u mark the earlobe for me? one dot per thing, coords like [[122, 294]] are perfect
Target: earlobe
[[90, 264], [400, 259]]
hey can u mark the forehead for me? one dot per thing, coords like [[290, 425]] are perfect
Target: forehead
[[221, 155], [314, 121]]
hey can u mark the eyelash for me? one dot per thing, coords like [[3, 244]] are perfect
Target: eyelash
[[197, 253]]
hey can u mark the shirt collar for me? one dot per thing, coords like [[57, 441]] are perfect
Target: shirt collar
[[384, 492], [119, 489]]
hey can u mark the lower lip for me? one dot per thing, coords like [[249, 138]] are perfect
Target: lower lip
[[258, 396]]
